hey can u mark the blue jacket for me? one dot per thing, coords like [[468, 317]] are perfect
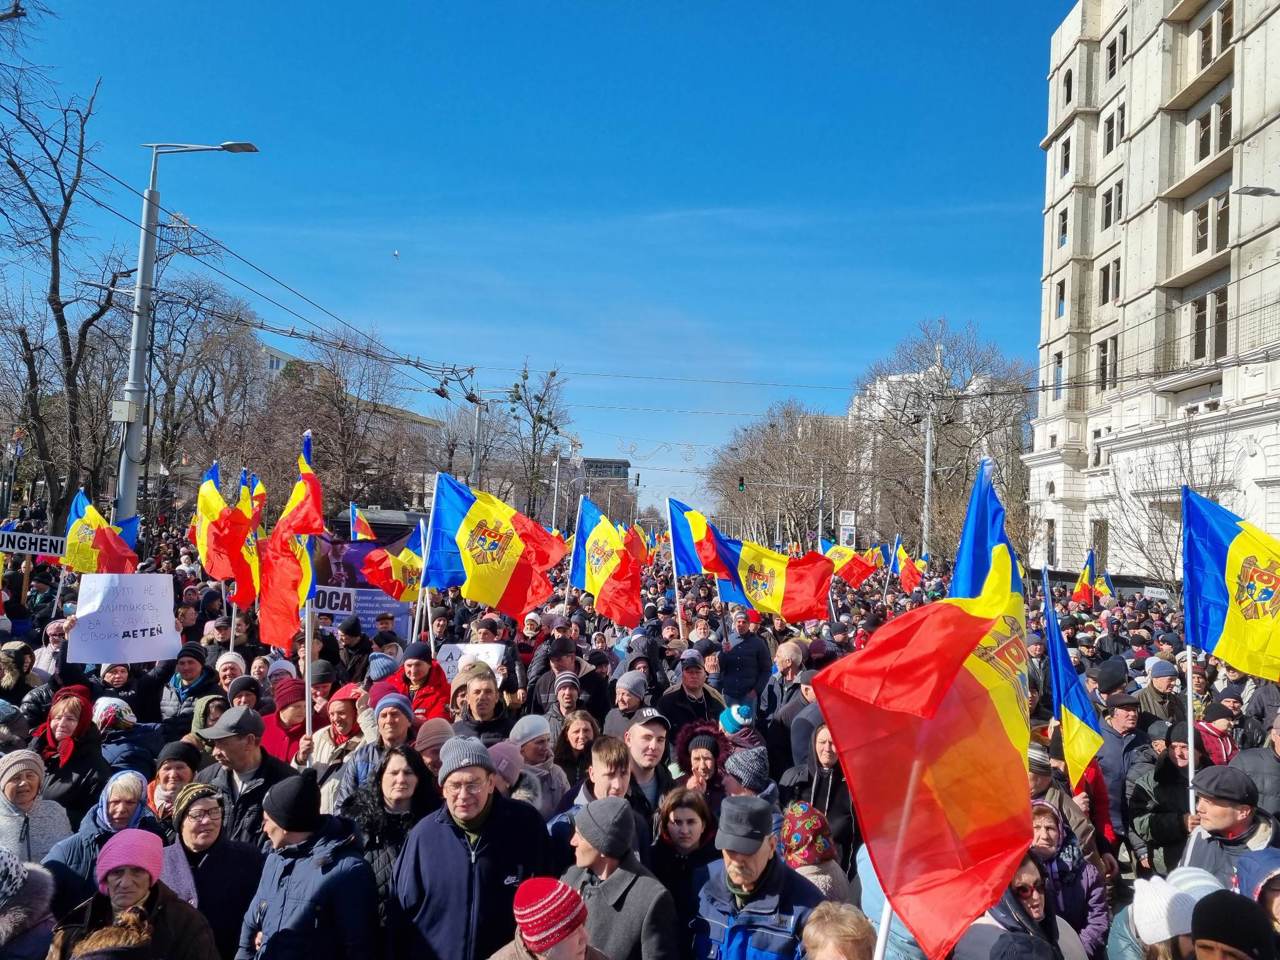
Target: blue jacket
[[134, 749], [769, 925], [745, 667], [453, 902], [1115, 758], [316, 900]]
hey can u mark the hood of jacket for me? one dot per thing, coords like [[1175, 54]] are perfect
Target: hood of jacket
[[28, 906]]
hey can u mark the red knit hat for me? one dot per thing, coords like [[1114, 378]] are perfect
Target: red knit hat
[[288, 692], [546, 912]]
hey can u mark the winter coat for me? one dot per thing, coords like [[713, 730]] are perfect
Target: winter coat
[[745, 667], [766, 927], [133, 749], [76, 786], [682, 710], [829, 879], [516, 950], [178, 701], [1075, 820], [29, 836], [630, 915], [329, 759], [1217, 743], [1220, 855], [1115, 757], [777, 694], [1256, 869], [828, 791], [1008, 930], [219, 882], [1265, 703], [1158, 810], [684, 874], [777, 736], [1154, 705], [429, 700], [489, 732], [243, 820], [142, 691], [382, 834], [281, 741], [561, 829], [1079, 893], [453, 899], [356, 770], [355, 659], [26, 922], [553, 785], [1263, 767], [899, 944], [73, 859], [1122, 942], [317, 900], [179, 931], [807, 720]]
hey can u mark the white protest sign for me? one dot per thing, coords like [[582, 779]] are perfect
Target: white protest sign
[[1155, 593], [449, 654], [124, 618]]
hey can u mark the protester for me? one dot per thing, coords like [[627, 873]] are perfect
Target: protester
[[332, 744], [838, 931], [1021, 924], [30, 823], [394, 717], [572, 749], [1262, 764], [683, 851], [68, 742], [1227, 925], [550, 924], [1227, 822], [821, 783], [1077, 890], [244, 772]]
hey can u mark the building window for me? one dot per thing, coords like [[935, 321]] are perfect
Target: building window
[[1096, 459], [1222, 226], [1066, 87], [1200, 228], [1224, 123], [1062, 227], [1226, 25], [1113, 58], [1108, 208], [1057, 376], [1204, 135], [1061, 298], [1108, 363], [1120, 122], [1104, 285], [1066, 156], [1199, 327], [1053, 440], [1108, 134], [1051, 490], [1115, 280], [1219, 323], [1206, 44], [1124, 42], [1050, 543]]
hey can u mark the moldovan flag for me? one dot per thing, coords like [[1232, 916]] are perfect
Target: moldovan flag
[[693, 541], [794, 588], [908, 571], [248, 576], [360, 529], [850, 566], [220, 530], [1085, 590], [930, 721], [603, 565], [399, 575], [93, 545], [498, 557], [288, 573], [1231, 589], [1081, 729]]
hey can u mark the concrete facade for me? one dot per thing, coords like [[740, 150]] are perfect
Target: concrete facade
[[1160, 314]]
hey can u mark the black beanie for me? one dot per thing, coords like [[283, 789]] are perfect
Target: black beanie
[[1217, 711], [193, 650], [1236, 921], [294, 803]]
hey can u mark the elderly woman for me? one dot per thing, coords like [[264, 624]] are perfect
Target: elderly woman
[[176, 766], [68, 743], [122, 806], [215, 874], [701, 750], [30, 824], [129, 890], [807, 849]]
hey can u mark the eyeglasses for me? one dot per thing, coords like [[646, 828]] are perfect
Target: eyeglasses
[[206, 816], [458, 788], [1026, 890]]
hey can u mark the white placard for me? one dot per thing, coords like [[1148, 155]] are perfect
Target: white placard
[[848, 518], [1155, 593], [124, 618], [448, 655], [13, 541]]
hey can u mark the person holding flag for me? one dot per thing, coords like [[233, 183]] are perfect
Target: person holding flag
[[288, 575]]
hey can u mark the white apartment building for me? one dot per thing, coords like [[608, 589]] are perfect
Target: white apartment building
[[1160, 314]]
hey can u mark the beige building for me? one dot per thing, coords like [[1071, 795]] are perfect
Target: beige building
[[1160, 313]]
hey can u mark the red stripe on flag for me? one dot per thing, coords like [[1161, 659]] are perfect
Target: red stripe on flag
[[528, 585], [807, 588]]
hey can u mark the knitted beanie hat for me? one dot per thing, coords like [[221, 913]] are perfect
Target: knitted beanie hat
[[131, 848], [282, 666], [18, 760], [230, 657], [190, 794], [461, 752], [750, 768], [289, 691], [380, 667], [567, 679], [705, 741], [507, 760], [13, 874], [529, 727], [193, 650], [1160, 910], [294, 802], [245, 684], [546, 912], [433, 733], [396, 701], [608, 825], [1236, 921], [733, 719], [634, 682]]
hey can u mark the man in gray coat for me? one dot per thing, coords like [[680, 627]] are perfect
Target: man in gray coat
[[630, 914]]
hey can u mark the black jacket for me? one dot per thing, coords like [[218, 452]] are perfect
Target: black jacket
[[77, 784], [244, 812], [176, 708], [1263, 767], [488, 731], [226, 876], [828, 791], [383, 833]]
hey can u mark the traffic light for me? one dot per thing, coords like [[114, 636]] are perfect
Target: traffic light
[[742, 484], [637, 481]]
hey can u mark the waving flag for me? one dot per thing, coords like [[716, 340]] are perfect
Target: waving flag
[[693, 550], [248, 575], [398, 575], [360, 529], [288, 571], [850, 566], [220, 530], [908, 570], [794, 588], [1084, 590], [603, 565], [1081, 729], [93, 545], [930, 721], [498, 557], [1102, 586], [1231, 588]]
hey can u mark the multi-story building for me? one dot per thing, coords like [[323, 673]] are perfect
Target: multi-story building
[[1160, 314]]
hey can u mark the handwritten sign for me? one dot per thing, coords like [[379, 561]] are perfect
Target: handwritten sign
[[124, 618], [449, 654]]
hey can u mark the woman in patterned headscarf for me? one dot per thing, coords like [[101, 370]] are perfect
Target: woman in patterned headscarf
[[808, 849]]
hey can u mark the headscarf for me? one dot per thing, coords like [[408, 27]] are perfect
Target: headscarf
[[101, 813], [49, 747], [113, 713], [806, 836], [352, 693]]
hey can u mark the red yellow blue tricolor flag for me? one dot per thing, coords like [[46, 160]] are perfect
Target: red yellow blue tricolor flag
[[248, 576], [603, 566], [360, 529], [1081, 729], [850, 566], [794, 588], [908, 570], [693, 550], [498, 557], [397, 575], [1231, 587], [1084, 590], [288, 572], [93, 545], [930, 720], [220, 530]]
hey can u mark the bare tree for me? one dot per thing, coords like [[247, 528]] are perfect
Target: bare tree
[[538, 415]]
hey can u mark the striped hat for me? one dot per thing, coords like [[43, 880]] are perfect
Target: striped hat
[[546, 912]]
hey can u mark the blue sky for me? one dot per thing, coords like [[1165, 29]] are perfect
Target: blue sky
[[720, 190]]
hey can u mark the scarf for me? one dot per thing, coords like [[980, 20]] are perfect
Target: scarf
[[161, 795], [64, 749], [340, 738]]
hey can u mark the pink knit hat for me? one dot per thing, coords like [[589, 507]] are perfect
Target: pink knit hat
[[131, 848]]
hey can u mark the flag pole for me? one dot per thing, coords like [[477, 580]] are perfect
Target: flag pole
[[308, 631], [675, 576], [423, 595], [232, 647], [424, 588], [886, 914], [1191, 732], [57, 597]]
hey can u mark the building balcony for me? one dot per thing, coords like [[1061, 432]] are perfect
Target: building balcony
[[1200, 176], [1198, 269], [1203, 82]]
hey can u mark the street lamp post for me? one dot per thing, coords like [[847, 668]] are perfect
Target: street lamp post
[[129, 412]]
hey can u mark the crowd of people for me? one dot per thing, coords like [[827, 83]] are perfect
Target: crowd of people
[[585, 791]]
